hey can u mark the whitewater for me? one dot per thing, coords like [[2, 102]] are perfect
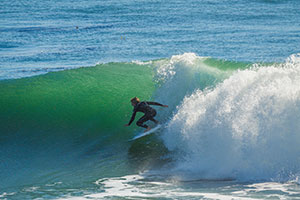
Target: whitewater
[[228, 70], [245, 128]]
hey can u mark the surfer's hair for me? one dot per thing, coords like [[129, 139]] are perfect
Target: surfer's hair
[[135, 100]]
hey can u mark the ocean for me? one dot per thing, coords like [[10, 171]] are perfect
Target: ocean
[[229, 72]]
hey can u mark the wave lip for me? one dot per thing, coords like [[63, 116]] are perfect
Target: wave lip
[[181, 75]]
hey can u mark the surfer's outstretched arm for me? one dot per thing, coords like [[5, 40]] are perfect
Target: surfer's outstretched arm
[[156, 104]]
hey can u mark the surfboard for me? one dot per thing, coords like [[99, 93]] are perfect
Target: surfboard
[[146, 133]]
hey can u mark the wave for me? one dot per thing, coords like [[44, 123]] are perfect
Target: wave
[[221, 113]]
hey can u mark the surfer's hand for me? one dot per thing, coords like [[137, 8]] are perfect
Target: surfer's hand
[[165, 106]]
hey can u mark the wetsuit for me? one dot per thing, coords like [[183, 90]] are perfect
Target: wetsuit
[[147, 110]]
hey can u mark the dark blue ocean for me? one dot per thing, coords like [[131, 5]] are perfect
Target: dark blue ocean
[[228, 69], [39, 36]]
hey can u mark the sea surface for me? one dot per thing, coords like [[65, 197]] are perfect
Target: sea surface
[[229, 70]]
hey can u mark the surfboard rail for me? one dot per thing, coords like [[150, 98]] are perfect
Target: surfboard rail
[[146, 133]]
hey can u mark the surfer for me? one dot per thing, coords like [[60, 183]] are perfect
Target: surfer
[[145, 108]]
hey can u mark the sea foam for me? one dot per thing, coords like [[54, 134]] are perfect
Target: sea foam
[[247, 127]]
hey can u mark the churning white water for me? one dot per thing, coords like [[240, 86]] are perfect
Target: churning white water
[[246, 128]]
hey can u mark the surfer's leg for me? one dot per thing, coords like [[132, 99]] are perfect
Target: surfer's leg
[[153, 114], [141, 121], [154, 120]]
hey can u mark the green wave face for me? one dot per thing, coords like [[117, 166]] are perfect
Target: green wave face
[[96, 97], [51, 122]]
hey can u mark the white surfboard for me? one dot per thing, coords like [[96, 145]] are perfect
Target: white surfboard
[[146, 133]]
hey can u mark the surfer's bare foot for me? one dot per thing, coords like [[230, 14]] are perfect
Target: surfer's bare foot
[[148, 129]]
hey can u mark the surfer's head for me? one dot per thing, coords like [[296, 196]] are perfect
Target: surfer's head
[[135, 101]]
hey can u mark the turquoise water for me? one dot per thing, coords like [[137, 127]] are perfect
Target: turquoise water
[[228, 70]]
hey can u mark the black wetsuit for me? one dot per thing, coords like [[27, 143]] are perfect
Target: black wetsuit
[[144, 108]]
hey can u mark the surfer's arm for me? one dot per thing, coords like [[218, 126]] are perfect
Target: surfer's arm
[[132, 118], [155, 104]]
